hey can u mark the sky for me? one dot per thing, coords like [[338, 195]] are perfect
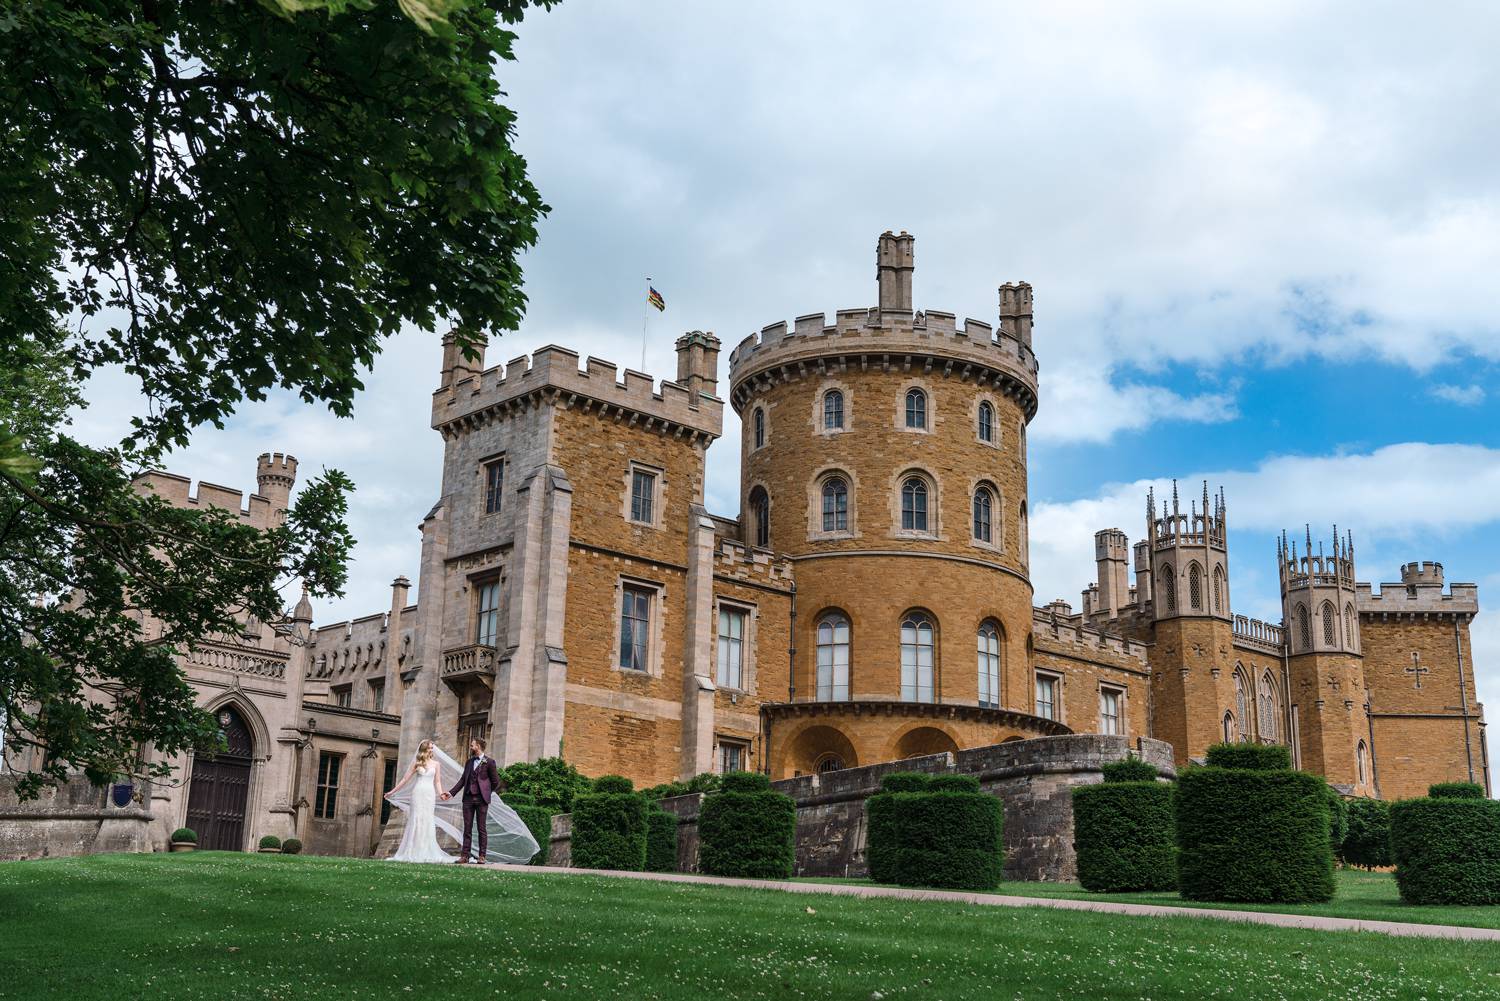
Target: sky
[[1263, 238]]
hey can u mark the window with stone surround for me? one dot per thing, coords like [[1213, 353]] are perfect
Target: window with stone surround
[[989, 665], [325, 806], [1241, 705], [1048, 692], [986, 422], [1361, 752], [1330, 624], [760, 518], [758, 420], [984, 505], [833, 658], [1111, 710], [1268, 707], [918, 657], [494, 484], [1218, 589], [914, 504], [1168, 587], [487, 612], [916, 410], [1195, 586], [829, 763], [833, 410], [377, 695], [1349, 634], [636, 605], [835, 505], [733, 756], [1229, 728], [1304, 627], [730, 653], [643, 495], [343, 696]]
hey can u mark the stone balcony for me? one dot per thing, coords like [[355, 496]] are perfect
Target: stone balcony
[[474, 662], [239, 660]]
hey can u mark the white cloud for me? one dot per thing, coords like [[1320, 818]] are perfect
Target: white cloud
[[1464, 396], [1087, 404]]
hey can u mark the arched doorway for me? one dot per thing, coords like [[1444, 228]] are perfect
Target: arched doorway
[[220, 789]]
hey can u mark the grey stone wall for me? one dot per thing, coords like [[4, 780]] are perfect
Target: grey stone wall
[[1033, 778], [75, 818]]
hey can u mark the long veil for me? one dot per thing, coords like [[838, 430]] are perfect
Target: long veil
[[510, 840]]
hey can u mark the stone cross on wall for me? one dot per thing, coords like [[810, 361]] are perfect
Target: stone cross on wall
[[1334, 685], [1417, 670]]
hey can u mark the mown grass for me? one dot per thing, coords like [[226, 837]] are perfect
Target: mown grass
[[210, 925]]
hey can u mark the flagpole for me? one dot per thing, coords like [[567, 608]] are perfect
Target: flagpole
[[645, 318]]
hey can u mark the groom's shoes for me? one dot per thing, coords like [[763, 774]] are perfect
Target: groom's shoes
[[460, 861]]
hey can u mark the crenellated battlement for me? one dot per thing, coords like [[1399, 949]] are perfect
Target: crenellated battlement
[[734, 559], [1055, 623], [554, 372], [1419, 592], [178, 491], [1300, 572], [1171, 527]]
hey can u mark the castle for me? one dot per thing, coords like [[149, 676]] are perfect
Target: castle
[[871, 602]]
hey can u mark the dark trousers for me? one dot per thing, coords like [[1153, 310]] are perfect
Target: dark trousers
[[476, 810]]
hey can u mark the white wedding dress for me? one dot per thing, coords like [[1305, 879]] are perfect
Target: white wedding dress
[[510, 840]]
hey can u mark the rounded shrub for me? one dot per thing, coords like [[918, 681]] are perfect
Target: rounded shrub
[[1125, 834], [186, 834], [552, 781], [1253, 835], [1131, 769], [613, 784], [1456, 790], [291, 846], [882, 838], [1368, 840], [270, 841], [905, 782], [1447, 850], [953, 783], [538, 820], [1252, 757], [948, 839], [661, 841], [1338, 817], [609, 828], [747, 829]]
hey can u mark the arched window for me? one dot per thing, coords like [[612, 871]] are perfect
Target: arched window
[[1195, 585], [917, 657], [1330, 625], [1023, 536], [833, 410], [760, 427], [1268, 713], [835, 505], [916, 409], [1304, 627], [1349, 626], [1169, 587], [1229, 728], [983, 504], [1218, 589], [833, 658], [989, 666], [986, 422], [760, 517], [829, 763], [1360, 752], [914, 504], [1240, 707]]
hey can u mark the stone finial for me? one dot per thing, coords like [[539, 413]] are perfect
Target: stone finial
[[1015, 311], [895, 260]]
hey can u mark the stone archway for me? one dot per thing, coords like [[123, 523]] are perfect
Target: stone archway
[[219, 790], [922, 740], [819, 749]]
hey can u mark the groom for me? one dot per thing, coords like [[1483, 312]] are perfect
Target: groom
[[479, 781]]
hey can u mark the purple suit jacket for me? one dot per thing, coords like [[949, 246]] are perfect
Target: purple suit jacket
[[487, 778]]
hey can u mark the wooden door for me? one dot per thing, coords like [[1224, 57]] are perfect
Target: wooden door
[[219, 793]]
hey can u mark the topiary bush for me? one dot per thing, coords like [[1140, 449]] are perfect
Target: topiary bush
[[1131, 769], [747, 829], [661, 840], [882, 838], [1252, 835], [271, 841], [1125, 833], [609, 827], [906, 782], [538, 820], [552, 781], [1447, 850], [291, 846], [1368, 840], [1338, 817], [949, 839], [1456, 790], [953, 783], [1252, 757], [186, 834]]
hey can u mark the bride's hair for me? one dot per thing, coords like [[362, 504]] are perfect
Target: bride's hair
[[424, 754]]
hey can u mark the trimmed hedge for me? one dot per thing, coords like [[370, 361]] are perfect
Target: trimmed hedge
[[661, 841], [185, 834], [1456, 790], [1338, 817], [906, 782], [1125, 834], [1447, 850], [1131, 769], [1254, 836], [746, 829], [609, 828], [291, 846], [613, 784], [270, 841], [953, 783], [1253, 757], [950, 840], [1368, 841], [882, 837], [538, 820]]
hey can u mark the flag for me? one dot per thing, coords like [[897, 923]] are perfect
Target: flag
[[655, 299]]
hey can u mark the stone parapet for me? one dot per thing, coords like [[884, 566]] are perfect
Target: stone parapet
[[1070, 633], [735, 560], [1417, 599], [1259, 635]]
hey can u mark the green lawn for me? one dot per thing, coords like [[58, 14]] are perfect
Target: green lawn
[[210, 925], [1365, 896]]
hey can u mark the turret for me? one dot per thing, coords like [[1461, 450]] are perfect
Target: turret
[[698, 364], [1143, 572], [1112, 554], [1015, 311], [456, 365], [1318, 594], [894, 263], [275, 475], [1189, 556]]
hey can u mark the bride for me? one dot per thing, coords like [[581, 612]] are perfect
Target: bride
[[419, 793]]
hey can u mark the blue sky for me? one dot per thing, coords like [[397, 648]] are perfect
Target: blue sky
[[1264, 242]]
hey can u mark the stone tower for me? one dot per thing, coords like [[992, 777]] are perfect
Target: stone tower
[[275, 475], [1189, 586], [1112, 554], [1329, 700]]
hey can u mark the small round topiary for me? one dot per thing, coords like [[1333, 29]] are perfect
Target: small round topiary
[[1447, 850], [661, 841], [905, 782], [1456, 790], [185, 835], [747, 833], [744, 782], [954, 783], [613, 784], [1131, 769], [270, 841], [291, 846], [1254, 757]]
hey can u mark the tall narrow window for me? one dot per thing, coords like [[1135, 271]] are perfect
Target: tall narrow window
[[833, 659], [1241, 708], [387, 782], [1195, 585], [833, 410], [1304, 627], [983, 504], [1349, 626], [760, 427], [1046, 696], [1023, 536], [326, 804], [989, 666], [635, 627], [1169, 587], [835, 506], [916, 409], [1330, 626], [487, 623], [760, 517], [642, 496], [914, 505], [1218, 589], [377, 696], [1360, 752], [1229, 728], [343, 696], [1109, 710], [731, 648], [494, 485], [917, 657], [734, 756], [1268, 714], [986, 423]]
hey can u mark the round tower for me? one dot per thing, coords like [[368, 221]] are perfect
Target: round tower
[[275, 475], [884, 453]]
